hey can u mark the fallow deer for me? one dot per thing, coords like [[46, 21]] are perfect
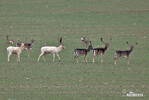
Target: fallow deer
[[82, 52], [100, 51], [52, 50], [125, 53]]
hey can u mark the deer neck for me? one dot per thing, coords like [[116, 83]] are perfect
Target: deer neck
[[131, 49], [88, 50], [105, 48], [59, 48]]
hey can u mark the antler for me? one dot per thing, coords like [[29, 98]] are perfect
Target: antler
[[102, 40], [7, 37], [60, 40]]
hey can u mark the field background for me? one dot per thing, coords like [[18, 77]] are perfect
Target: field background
[[46, 20]]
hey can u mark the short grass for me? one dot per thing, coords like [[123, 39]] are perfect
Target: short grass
[[45, 21]]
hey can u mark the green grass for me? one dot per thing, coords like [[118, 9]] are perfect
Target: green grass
[[45, 21]]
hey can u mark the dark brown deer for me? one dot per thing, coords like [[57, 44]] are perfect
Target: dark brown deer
[[28, 46], [82, 52], [9, 41], [85, 40], [125, 53], [100, 51]]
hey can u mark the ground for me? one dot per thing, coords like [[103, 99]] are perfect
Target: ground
[[45, 21]]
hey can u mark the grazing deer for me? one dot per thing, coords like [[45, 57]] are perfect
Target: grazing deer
[[51, 50], [100, 51], [85, 41], [125, 53], [15, 50], [82, 52], [28, 46], [9, 41]]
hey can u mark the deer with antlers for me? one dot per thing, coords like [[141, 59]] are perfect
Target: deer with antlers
[[125, 53], [52, 50], [82, 52], [100, 51]]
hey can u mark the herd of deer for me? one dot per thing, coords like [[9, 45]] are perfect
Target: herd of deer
[[17, 50]]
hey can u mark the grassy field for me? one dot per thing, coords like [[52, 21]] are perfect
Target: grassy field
[[46, 20]]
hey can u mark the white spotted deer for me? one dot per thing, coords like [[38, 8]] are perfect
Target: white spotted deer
[[82, 52], [125, 53]]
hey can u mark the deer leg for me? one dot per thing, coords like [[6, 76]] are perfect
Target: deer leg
[[101, 59], [85, 59], [28, 51], [40, 56], [9, 57], [115, 58], [94, 59], [58, 57], [76, 58], [18, 58], [44, 59], [53, 57], [128, 60]]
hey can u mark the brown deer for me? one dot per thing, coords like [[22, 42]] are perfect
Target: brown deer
[[82, 52], [100, 51], [125, 53], [9, 41], [28, 46]]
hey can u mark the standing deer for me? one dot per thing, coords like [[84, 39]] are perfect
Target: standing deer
[[9, 41], [28, 46], [125, 53], [82, 52], [15, 50], [52, 50], [100, 51]]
